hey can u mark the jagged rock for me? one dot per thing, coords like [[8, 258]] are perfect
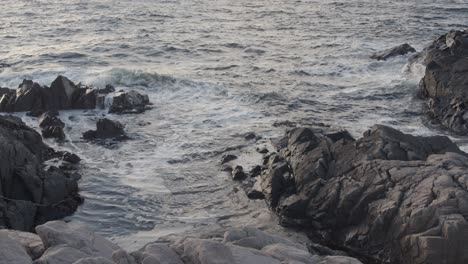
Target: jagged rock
[[76, 236], [108, 89], [12, 252], [388, 195], [227, 158], [32, 243], [53, 132], [445, 82], [129, 102], [25, 183], [70, 157], [28, 97], [63, 94], [238, 173], [50, 118], [84, 98], [392, 52], [106, 128]]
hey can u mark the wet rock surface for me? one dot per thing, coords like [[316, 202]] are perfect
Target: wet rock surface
[[130, 102], [393, 52], [106, 129], [388, 196], [445, 82], [31, 192], [63, 94]]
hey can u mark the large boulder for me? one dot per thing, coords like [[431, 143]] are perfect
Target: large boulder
[[389, 195], [32, 243], [76, 236], [105, 128], [11, 251], [393, 52], [31, 192], [129, 102], [445, 82]]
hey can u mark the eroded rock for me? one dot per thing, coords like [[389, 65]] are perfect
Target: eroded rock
[[445, 82], [31, 194], [129, 102], [389, 195], [393, 52]]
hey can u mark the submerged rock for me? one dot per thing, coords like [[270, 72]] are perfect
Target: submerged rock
[[393, 52], [106, 128], [445, 82], [31, 194], [238, 173], [129, 102], [388, 195]]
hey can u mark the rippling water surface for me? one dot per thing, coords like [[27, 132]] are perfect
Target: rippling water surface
[[214, 70]]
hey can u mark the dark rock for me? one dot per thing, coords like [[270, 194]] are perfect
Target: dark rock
[[35, 113], [262, 150], [391, 196], [238, 173], [445, 82], [108, 89], [84, 98], [28, 97], [396, 51], [70, 157], [340, 135], [255, 195], [63, 94], [227, 158], [106, 128], [250, 136], [226, 168], [53, 132], [255, 171], [60, 94], [129, 102], [50, 118], [29, 194]]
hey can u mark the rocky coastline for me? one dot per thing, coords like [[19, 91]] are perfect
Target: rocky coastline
[[387, 197]]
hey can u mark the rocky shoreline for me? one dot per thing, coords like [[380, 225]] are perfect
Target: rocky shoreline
[[387, 197]]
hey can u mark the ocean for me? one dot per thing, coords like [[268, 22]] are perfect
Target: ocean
[[214, 70]]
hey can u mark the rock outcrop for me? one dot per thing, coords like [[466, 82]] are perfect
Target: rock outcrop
[[393, 52], [129, 102], [105, 129], [66, 243], [63, 94], [391, 196], [31, 192], [445, 82]]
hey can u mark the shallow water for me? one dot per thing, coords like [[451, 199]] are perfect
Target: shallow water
[[214, 70]]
